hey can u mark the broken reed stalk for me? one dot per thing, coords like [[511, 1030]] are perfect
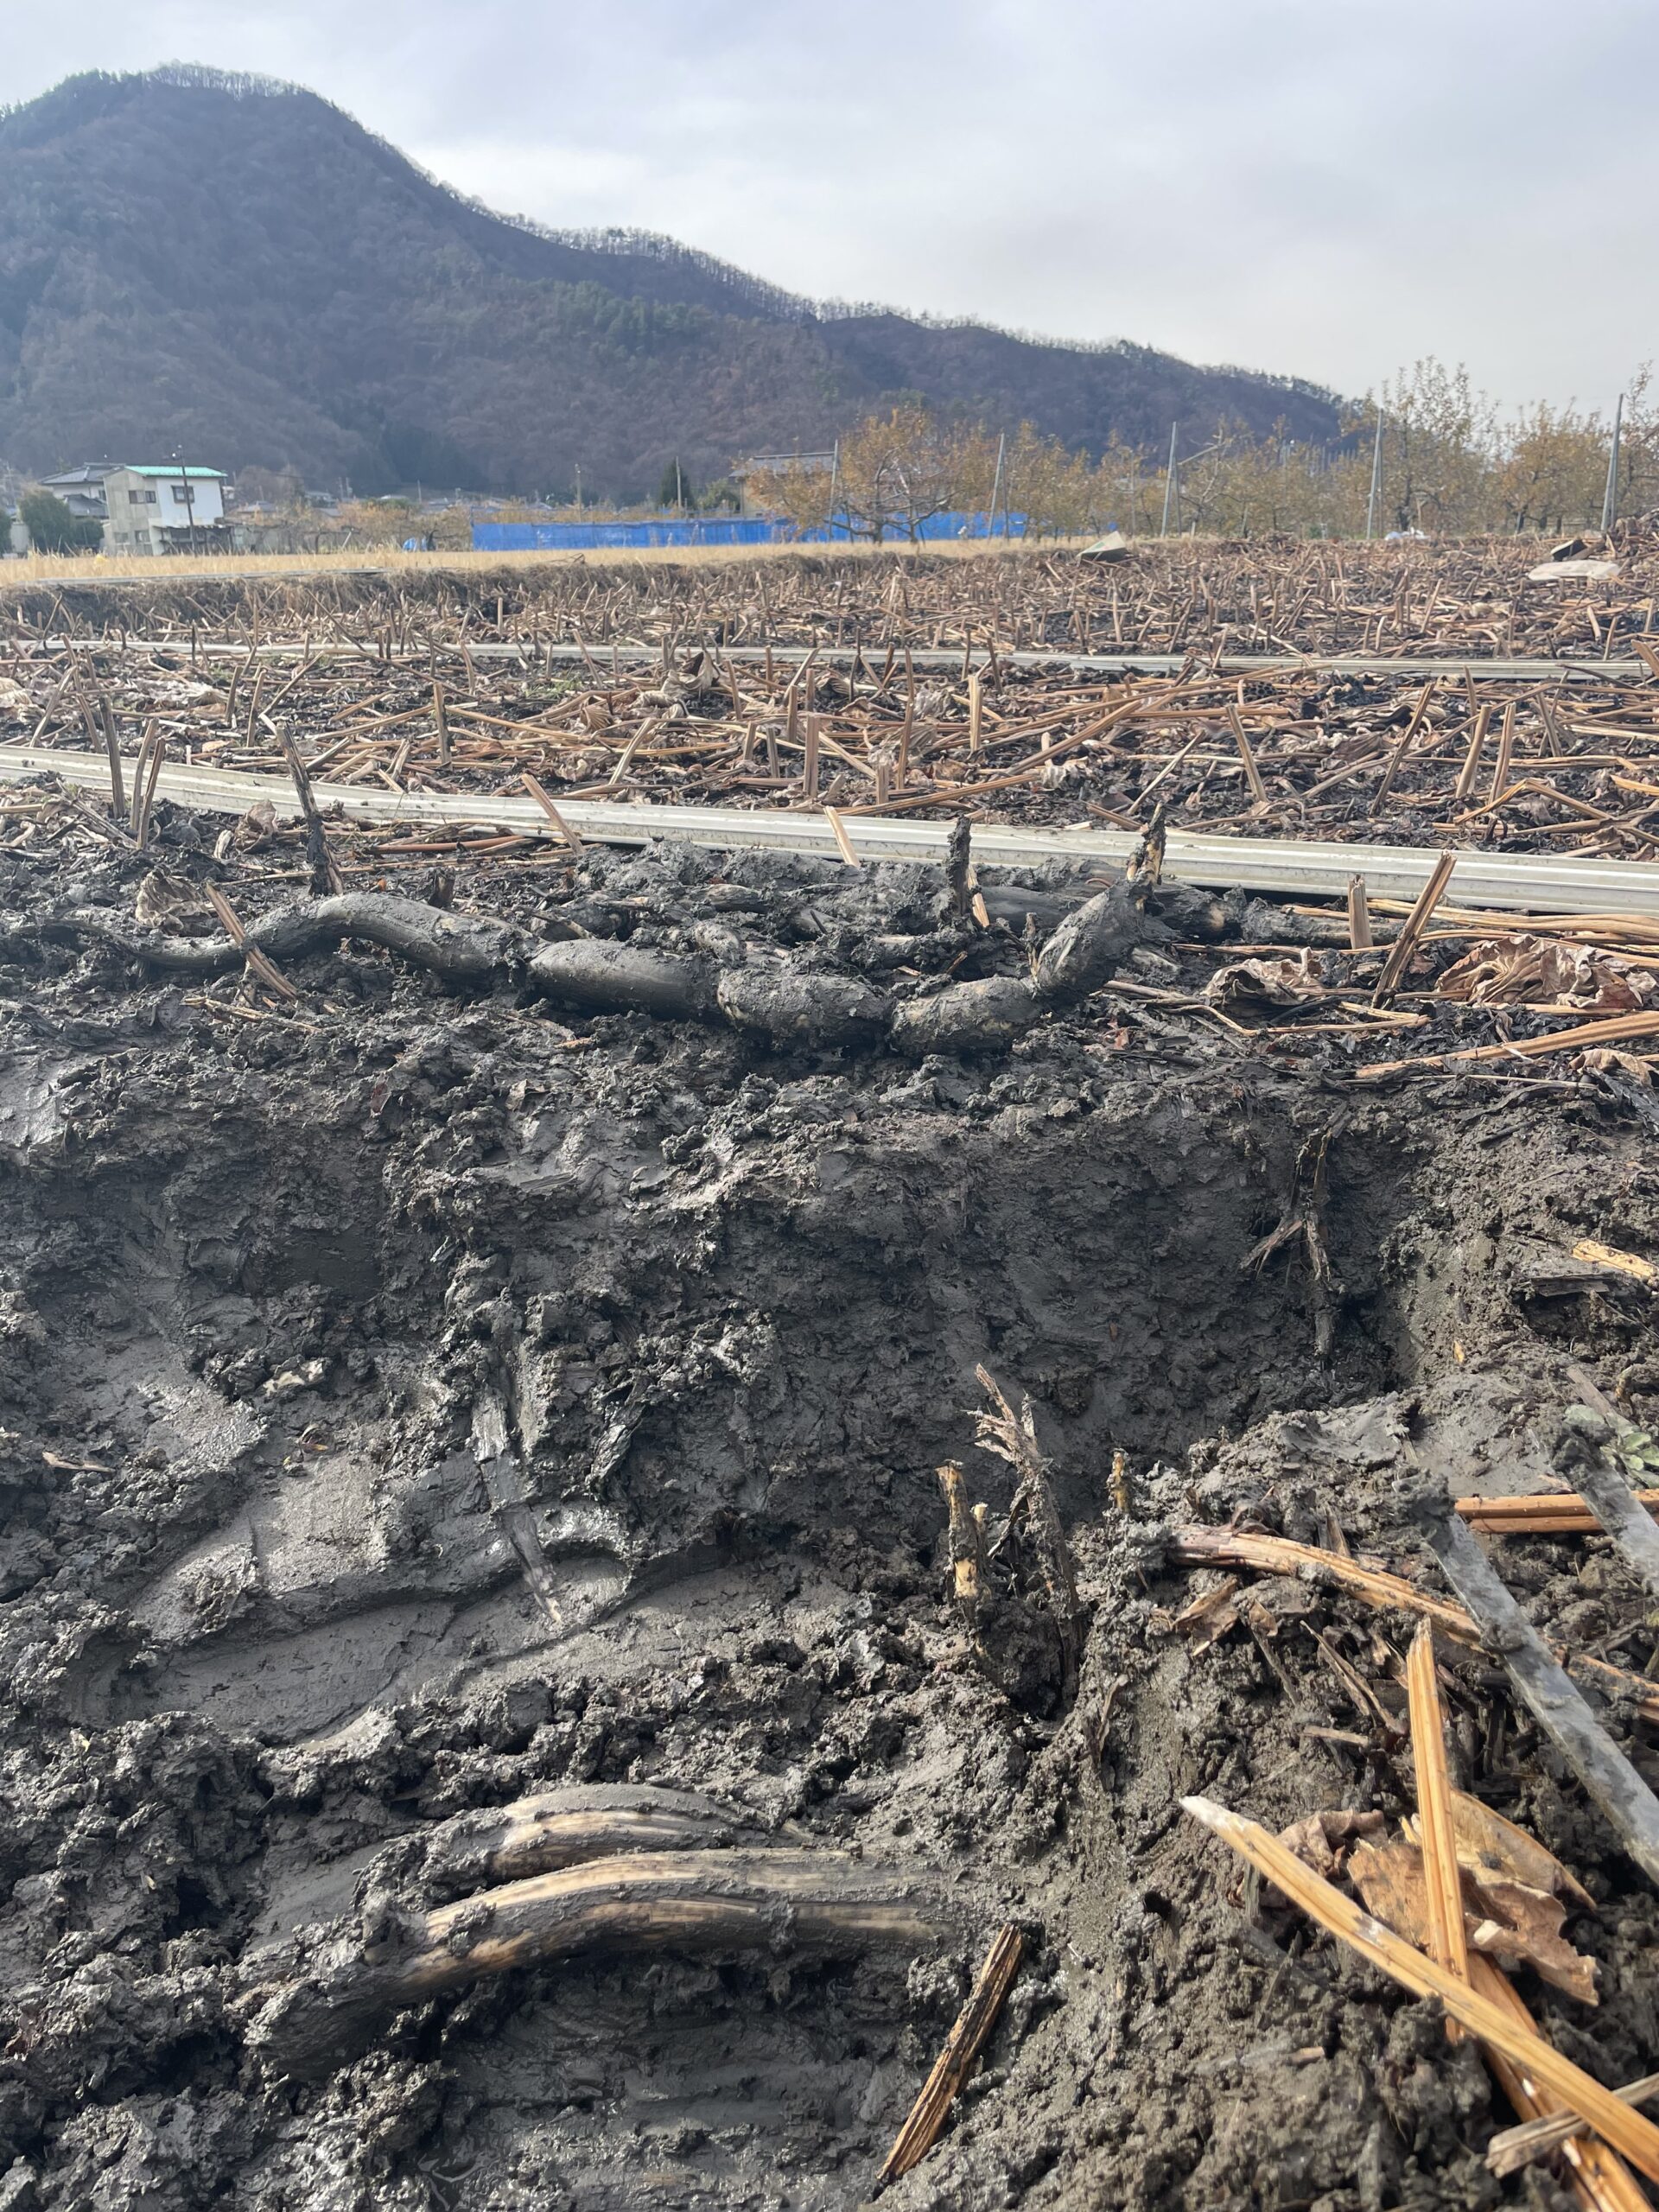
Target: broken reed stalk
[[1610, 1032], [1203, 1546], [1359, 916], [1390, 1881], [567, 1827], [255, 963], [1013, 1437], [1506, 747], [1541, 1513], [551, 811], [1628, 1804], [1401, 750], [813, 728], [1471, 760], [441, 716], [967, 1548], [112, 742], [144, 800], [844, 843], [1514, 2147], [1416, 922], [957, 2061], [326, 879], [1598, 2177], [1252, 773], [1447, 1935], [1493, 2023]]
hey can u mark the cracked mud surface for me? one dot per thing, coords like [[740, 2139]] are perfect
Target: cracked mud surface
[[428, 1401]]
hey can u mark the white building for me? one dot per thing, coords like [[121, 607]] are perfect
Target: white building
[[162, 507]]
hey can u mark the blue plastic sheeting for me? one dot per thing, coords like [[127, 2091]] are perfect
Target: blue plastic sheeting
[[713, 530], [594, 536]]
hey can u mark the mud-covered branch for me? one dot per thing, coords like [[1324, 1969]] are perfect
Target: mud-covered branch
[[768, 996], [461, 948], [565, 1828], [794, 1903]]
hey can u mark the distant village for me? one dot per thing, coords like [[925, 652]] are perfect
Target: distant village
[[913, 481], [148, 509]]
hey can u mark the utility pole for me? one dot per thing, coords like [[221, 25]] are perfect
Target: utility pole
[[189, 503], [578, 487], [1377, 477], [1170, 493], [834, 471], [996, 483], [1609, 497], [679, 485]]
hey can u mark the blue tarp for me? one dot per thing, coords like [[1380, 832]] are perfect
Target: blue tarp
[[710, 529]]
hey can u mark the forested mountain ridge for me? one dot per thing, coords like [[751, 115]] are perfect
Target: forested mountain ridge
[[190, 260]]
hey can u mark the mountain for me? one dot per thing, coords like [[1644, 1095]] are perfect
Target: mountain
[[232, 266]]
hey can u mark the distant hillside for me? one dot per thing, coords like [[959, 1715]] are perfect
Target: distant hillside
[[236, 267]]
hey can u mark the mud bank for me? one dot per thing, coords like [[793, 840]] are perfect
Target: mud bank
[[422, 1398]]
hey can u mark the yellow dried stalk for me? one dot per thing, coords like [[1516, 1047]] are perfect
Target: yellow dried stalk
[[1448, 1937], [1491, 2021], [1390, 1879], [1539, 1513], [1514, 2147]]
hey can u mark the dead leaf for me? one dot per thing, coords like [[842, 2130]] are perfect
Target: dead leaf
[[74, 1466], [1388, 1878], [1322, 1839], [1493, 1849], [1523, 1926], [1605, 1059], [255, 825], [1507, 970], [1207, 1619], [162, 898], [1268, 982]]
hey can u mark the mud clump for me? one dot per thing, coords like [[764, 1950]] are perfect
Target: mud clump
[[419, 1399]]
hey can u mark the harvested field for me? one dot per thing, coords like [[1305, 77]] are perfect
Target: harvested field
[[508, 1701], [1457, 599], [1567, 768]]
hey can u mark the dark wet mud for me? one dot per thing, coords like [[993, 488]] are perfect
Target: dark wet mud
[[416, 1398]]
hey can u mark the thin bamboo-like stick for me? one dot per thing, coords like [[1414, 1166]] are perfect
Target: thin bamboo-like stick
[[1447, 1936], [955, 2063], [1543, 1513]]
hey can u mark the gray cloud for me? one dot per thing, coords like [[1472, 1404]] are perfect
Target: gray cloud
[[1329, 189]]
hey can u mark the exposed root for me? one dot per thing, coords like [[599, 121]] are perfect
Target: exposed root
[[763, 996]]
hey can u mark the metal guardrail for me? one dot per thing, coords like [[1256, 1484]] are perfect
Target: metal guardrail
[[529, 656], [1280, 866]]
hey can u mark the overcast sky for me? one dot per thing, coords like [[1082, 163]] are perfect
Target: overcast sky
[[1326, 189]]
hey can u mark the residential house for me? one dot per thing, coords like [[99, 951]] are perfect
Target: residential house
[[81, 489], [163, 507]]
